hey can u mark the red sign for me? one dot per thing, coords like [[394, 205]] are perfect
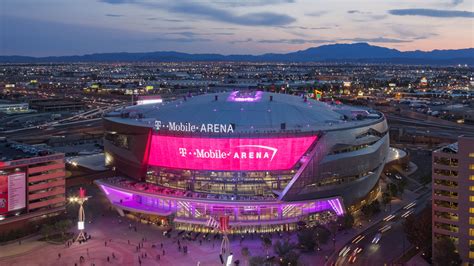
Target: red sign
[[3, 194], [232, 154], [224, 223]]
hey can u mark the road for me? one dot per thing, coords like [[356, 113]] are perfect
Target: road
[[392, 243]]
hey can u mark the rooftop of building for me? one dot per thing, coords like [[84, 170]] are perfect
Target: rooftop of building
[[254, 111]]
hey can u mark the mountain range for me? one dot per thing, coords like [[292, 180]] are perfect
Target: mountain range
[[339, 53]]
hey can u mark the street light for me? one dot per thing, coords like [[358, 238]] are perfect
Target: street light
[[81, 216]]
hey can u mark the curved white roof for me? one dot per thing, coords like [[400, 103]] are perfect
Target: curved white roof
[[247, 111]]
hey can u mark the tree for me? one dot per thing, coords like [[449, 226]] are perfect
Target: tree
[[346, 221], [322, 235], [386, 198], [291, 258], [445, 253], [46, 230], [246, 254], [282, 248], [63, 226], [306, 239], [370, 209], [266, 243], [257, 261], [418, 230], [392, 189]]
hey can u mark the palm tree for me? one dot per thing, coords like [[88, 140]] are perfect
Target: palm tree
[[246, 254], [46, 231], [266, 243], [63, 226], [282, 248]]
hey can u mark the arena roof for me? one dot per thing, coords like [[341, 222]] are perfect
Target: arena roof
[[248, 112]]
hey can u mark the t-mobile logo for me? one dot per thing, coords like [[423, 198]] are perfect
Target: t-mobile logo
[[182, 151]]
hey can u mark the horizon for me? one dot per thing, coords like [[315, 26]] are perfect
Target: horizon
[[232, 54], [57, 28]]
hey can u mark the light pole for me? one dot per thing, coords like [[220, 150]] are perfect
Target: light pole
[[81, 215]]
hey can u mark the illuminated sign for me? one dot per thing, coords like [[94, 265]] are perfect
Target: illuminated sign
[[16, 191], [12, 192], [192, 128], [228, 154], [3, 193], [150, 99]]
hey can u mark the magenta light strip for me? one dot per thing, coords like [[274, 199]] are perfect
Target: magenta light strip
[[115, 192], [234, 97], [336, 206]]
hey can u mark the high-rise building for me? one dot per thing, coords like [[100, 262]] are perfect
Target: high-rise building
[[32, 184], [453, 196]]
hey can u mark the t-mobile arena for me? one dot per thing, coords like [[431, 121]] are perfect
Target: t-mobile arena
[[267, 161]]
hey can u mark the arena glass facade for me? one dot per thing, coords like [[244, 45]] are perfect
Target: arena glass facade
[[264, 181]]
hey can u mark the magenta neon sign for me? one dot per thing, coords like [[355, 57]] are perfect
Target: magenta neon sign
[[230, 154]]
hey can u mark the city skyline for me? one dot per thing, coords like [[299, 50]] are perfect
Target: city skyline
[[55, 28]]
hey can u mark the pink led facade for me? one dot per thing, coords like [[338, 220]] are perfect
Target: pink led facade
[[228, 154]]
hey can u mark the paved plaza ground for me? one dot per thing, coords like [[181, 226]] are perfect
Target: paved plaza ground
[[113, 237]]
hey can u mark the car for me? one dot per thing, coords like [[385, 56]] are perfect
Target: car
[[344, 251], [376, 238], [353, 258]]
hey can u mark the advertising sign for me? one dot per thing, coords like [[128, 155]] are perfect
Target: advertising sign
[[228, 154], [3, 193], [16, 191]]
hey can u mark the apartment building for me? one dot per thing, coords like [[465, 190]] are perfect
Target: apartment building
[[453, 196]]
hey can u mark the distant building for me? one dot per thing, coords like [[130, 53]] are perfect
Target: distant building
[[14, 108], [32, 184], [55, 105], [453, 196]]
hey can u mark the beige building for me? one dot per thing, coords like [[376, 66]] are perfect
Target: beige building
[[453, 195]]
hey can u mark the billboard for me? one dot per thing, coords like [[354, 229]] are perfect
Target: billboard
[[228, 154], [3, 193], [12, 192]]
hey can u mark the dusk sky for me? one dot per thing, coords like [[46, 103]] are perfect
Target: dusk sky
[[76, 27]]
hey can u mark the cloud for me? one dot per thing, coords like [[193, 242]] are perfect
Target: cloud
[[432, 13], [238, 3], [173, 28], [210, 12], [216, 14], [317, 13], [293, 41], [305, 28], [190, 34], [242, 41], [174, 20], [118, 2], [363, 16], [114, 15], [353, 11], [377, 40], [187, 40]]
